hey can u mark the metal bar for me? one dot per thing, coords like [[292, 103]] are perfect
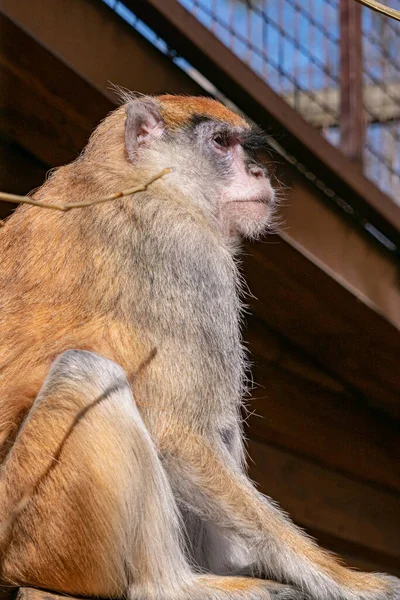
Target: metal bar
[[352, 123]]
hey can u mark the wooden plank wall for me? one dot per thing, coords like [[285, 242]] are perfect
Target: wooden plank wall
[[331, 461]]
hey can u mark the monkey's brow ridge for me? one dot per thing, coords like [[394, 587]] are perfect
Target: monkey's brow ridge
[[254, 139]]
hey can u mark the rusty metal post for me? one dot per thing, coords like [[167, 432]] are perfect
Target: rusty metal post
[[352, 121]]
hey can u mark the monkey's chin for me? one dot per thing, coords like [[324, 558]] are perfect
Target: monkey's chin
[[250, 219]]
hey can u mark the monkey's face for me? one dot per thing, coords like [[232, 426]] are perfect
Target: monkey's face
[[245, 198], [212, 153]]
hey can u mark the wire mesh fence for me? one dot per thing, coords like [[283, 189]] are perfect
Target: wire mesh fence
[[381, 41], [295, 47]]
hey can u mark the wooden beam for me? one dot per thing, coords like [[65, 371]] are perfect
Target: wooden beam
[[352, 124], [105, 49], [302, 408], [183, 32], [68, 91], [356, 556], [342, 250], [319, 499], [330, 324], [63, 108], [20, 172]]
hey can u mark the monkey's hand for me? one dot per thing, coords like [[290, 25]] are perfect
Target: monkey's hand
[[206, 481]]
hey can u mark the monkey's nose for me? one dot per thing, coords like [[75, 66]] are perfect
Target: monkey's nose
[[257, 171]]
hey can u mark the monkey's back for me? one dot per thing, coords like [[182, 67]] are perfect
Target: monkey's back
[[47, 306]]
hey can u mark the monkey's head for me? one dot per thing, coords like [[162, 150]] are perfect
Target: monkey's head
[[212, 153]]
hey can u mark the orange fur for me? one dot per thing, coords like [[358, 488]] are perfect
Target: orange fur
[[234, 584], [177, 111]]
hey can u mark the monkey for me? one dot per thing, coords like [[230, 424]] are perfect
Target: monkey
[[149, 498]]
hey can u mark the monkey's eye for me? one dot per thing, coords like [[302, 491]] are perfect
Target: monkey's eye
[[222, 142]]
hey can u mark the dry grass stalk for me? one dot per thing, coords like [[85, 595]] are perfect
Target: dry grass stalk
[[381, 8], [65, 207]]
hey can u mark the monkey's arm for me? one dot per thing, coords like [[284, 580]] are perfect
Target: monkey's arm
[[206, 480]]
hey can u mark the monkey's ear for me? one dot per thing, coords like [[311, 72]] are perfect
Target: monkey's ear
[[143, 123]]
